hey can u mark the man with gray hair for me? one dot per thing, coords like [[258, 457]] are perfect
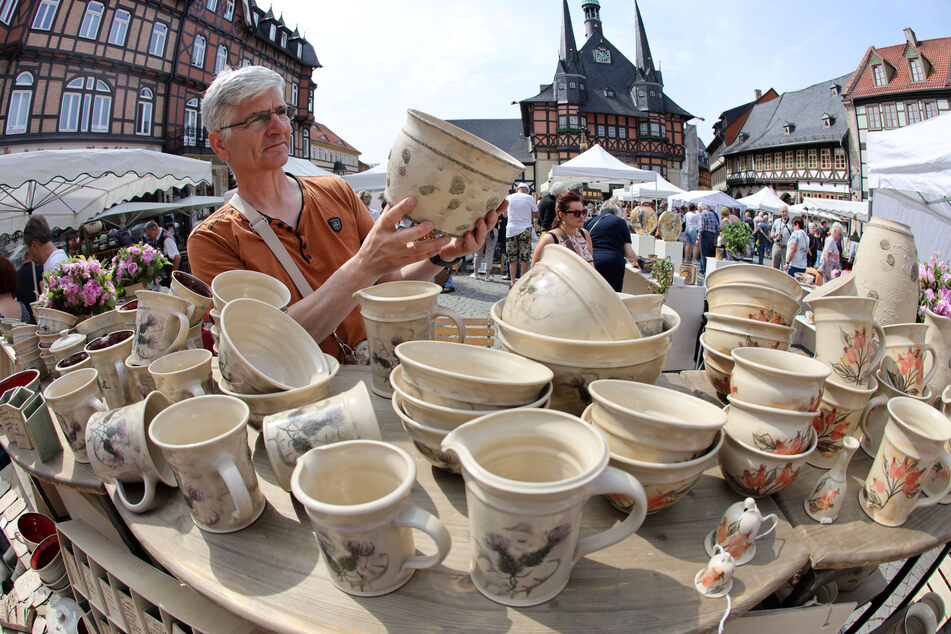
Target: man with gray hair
[[780, 233], [39, 244], [162, 240]]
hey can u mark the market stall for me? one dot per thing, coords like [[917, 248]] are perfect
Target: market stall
[[764, 200], [659, 189], [373, 179], [715, 199], [595, 166]]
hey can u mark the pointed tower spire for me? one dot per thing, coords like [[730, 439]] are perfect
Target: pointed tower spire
[[568, 53], [642, 50]]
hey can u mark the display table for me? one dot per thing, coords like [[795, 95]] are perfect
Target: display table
[[805, 334], [271, 573]]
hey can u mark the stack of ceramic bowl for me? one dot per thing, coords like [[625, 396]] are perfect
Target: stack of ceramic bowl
[[664, 438], [563, 315], [27, 348], [440, 385], [749, 306], [774, 397], [7, 324], [236, 284]]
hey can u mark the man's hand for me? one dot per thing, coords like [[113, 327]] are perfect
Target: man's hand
[[473, 240], [386, 250]]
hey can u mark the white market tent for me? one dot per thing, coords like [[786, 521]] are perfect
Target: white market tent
[[659, 189], [798, 210], [764, 200], [713, 198], [374, 179], [596, 165], [850, 209], [910, 180], [303, 167], [131, 212]]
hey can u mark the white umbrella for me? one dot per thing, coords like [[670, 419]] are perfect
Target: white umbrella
[[373, 179], [764, 200]]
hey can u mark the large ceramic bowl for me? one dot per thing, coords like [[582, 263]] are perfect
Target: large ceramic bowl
[[237, 283], [427, 440], [725, 333], [753, 301], [50, 320], [779, 431], [103, 324], [21, 332], [646, 311], [651, 423], [754, 473], [440, 416], [472, 373], [564, 296], [591, 354], [26, 345], [754, 274], [777, 378]]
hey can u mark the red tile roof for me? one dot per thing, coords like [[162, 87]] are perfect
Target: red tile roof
[[320, 133], [938, 52]]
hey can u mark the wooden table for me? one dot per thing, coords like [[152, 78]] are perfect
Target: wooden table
[[271, 574], [61, 470]]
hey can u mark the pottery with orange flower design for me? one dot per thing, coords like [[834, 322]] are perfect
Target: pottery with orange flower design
[[769, 429], [756, 473], [909, 362], [842, 410], [779, 379], [845, 338], [914, 442], [738, 531]]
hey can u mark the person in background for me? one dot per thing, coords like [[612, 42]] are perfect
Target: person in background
[[815, 244], [10, 306], [162, 240], [522, 215], [484, 259], [748, 219], [692, 233], [761, 237], [39, 244], [780, 233], [546, 206], [709, 230], [367, 199], [29, 284], [611, 241], [831, 256], [567, 228], [797, 248]]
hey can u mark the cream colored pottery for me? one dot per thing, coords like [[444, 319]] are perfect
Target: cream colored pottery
[[196, 292], [825, 501], [777, 378], [161, 325], [778, 431], [263, 404], [74, 397], [754, 274], [67, 345], [738, 531], [939, 336], [646, 311], [262, 349], [724, 333], [427, 440], [873, 425], [183, 374], [30, 360], [119, 450], [50, 320], [236, 284], [753, 301], [528, 474], [406, 299], [75, 361], [48, 360], [193, 340], [441, 416], [48, 339], [755, 473], [139, 381], [292, 433], [25, 346], [844, 285], [102, 324], [909, 362], [12, 405], [477, 374], [844, 328], [7, 324], [128, 312], [455, 176], [564, 296], [651, 423], [716, 579], [886, 268], [108, 354], [914, 441], [364, 523], [719, 368], [840, 414], [19, 333], [571, 380], [205, 440], [468, 402]]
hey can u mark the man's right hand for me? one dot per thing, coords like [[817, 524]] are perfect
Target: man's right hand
[[387, 249]]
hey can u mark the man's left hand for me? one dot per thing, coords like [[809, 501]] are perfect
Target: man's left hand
[[473, 240]]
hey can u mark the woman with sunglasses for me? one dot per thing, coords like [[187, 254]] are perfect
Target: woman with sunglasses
[[567, 228]]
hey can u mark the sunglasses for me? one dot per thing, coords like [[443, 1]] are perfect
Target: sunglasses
[[577, 213], [260, 120]]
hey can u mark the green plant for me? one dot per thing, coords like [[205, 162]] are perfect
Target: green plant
[[736, 237], [662, 276]]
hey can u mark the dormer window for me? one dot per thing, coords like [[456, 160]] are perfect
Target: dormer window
[[834, 89], [283, 40], [916, 69], [878, 75], [608, 92], [273, 32], [788, 127], [827, 120], [572, 84]]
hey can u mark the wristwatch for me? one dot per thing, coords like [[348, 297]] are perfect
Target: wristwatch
[[438, 261]]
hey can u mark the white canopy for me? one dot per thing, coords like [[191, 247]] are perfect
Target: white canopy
[[373, 179], [841, 208], [713, 198], [798, 210], [659, 189], [130, 212], [910, 180], [596, 165], [764, 200], [68, 187], [303, 167]]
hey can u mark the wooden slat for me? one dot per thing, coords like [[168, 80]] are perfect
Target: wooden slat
[[480, 331]]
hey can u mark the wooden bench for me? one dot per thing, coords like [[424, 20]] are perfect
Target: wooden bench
[[480, 331]]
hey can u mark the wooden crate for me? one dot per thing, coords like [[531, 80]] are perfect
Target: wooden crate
[[480, 331]]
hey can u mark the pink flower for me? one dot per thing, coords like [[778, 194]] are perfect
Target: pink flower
[[147, 256], [929, 294], [133, 267], [929, 276]]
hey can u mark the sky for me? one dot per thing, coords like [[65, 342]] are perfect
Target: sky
[[462, 59]]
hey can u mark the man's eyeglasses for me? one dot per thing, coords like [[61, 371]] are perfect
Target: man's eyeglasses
[[260, 120], [577, 213]]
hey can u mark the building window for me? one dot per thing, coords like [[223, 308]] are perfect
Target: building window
[[813, 163], [839, 159], [245, 63], [119, 28], [913, 111], [294, 93], [601, 130], [917, 70], [612, 132], [86, 106], [229, 9], [562, 121], [573, 121], [6, 10], [825, 158], [190, 131], [273, 32], [211, 5], [157, 42], [789, 160], [18, 114], [644, 129], [221, 59], [878, 75], [778, 161], [143, 113], [310, 101], [931, 109], [622, 132], [300, 49], [45, 14], [198, 52], [767, 162], [890, 111], [572, 84], [874, 116], [800, 159], [283, 40], [89, 28], [306, 135]]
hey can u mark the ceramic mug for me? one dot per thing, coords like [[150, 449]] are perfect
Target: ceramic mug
[[119, 449], [139, 380], [33, 528], [108, 354], [183, 374], [47, 560], [74, 397], [904, 360], [873, 426], [844, 329], [75, 361], [292, 433], [205, 440], [194, 341], [842, 410], [161, 325], [358, 496], [913, 443], [196, 292]]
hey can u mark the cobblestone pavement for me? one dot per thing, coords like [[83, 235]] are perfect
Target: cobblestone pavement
[[473, 298]]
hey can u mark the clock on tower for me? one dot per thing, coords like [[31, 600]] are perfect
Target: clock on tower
[[602, 56]]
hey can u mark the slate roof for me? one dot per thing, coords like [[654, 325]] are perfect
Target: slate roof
[[319, 133], [802, 108], [308, 56], [937, 51], [505, 134]]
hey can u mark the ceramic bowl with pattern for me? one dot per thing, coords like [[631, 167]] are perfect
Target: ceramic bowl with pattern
[[235, 284], [724, 333], [753, 301], [755, 473], [427, 440], [104, 324], [21, 332], [769, 429], [778, 378], [756, 274], [50, 320]]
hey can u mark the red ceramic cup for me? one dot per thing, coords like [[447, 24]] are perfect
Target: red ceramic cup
[[47, 560], [20, 379], [32, 528]]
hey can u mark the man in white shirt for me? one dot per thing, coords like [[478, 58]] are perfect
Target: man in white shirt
[[161, 239], [522, 215], [780, 233], [39, 244]]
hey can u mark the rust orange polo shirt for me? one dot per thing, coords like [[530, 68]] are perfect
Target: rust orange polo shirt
[[332, 225]]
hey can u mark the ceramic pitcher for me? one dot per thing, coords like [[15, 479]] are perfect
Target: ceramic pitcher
[[107, 354], [738, 531], [886, 268], [939, 335], [394, 312], [842, 410], [909, 362], [528, 474], [161, 325], [844, 330]]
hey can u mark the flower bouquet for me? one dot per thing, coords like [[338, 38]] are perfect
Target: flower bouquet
[[80, 287], [138, 264], [934, 291]]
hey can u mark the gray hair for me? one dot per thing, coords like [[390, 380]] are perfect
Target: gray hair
[[37, 229], [837, 226], [559, 188], [151, 224], [610, 206], [231, 88]]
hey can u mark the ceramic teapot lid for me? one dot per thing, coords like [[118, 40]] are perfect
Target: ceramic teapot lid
[[67, 341]]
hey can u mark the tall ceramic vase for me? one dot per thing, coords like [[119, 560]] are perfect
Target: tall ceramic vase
[[886, 268], [939, 335]]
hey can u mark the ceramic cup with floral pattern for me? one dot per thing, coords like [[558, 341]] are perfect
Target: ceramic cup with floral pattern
[[873, 425], [74, 397], [914, 442], [842, 410], [905, 357], [108, 354], [357, 494], [198, 294], [183, 374], [119, 449], [205, 440], [139, 381], [845, 338], [161, 325], [292, 433]]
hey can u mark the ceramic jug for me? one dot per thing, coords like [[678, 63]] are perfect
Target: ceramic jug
[[909, 362], [739, 530], [394, 312], [842, 411], [886, 268], [716, 580], [844, 328], [939, 335], [528, 474], [825, 501]]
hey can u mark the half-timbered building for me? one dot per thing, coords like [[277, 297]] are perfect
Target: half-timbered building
[[331, 152]]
